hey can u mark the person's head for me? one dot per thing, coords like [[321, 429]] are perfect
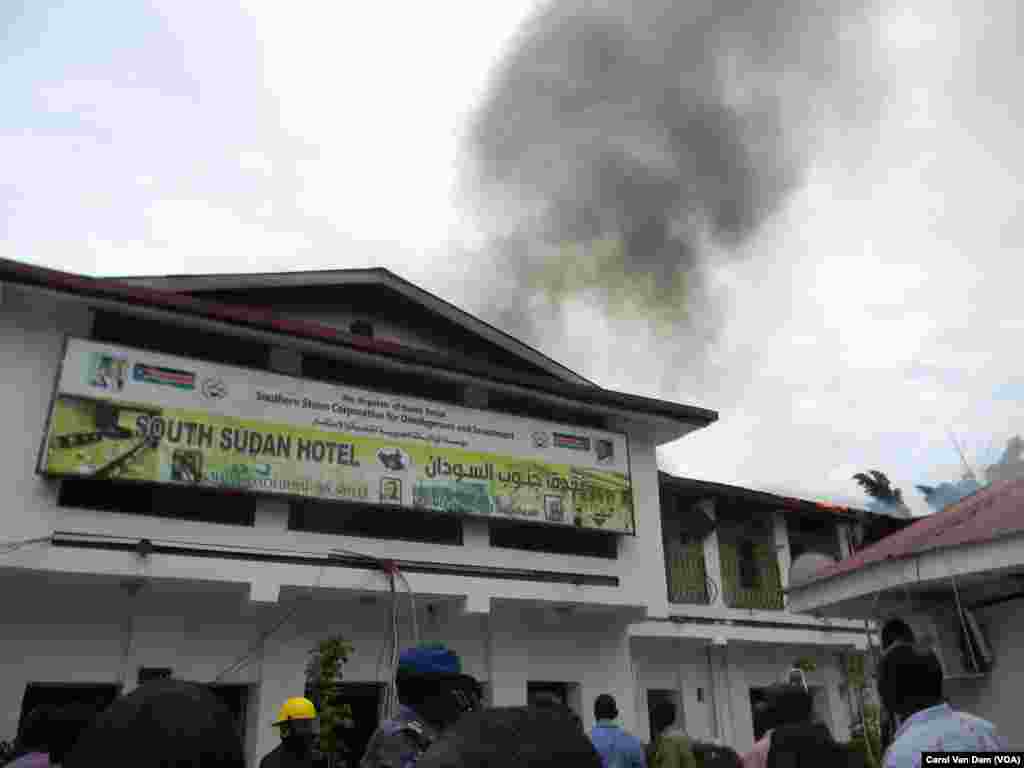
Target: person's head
[[605, 707], [513, 737], [162, 723], [909, 679], [546, 700], [788, 704], [35, 732], [430, 682], [662, 716], [296, 723], [66, 726], [896, 631]]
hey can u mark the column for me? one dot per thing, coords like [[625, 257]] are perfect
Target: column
[[722, 727], [833, 677], [282, 676], [782, 552], [844, 532], [508, 661], [712, 557], [739, 701]]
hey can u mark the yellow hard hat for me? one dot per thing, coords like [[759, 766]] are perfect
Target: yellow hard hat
[[297, 708]]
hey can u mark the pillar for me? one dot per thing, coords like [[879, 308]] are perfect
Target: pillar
[[782, 552], [833, 678], [718, 669], [282, 661], [508, 660], [712, 557]]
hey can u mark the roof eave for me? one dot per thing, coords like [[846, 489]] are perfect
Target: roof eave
[[666, 420]]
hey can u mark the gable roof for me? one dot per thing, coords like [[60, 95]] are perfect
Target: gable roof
[[991, 513], [102, 289], [380, 276]]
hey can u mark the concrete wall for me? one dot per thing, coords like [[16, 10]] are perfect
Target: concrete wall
[[32, 328], [997, 696], [725, 675], [94, 632]]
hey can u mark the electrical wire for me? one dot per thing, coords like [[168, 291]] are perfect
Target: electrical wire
[[7, 547], [242, 661], [412, 609]]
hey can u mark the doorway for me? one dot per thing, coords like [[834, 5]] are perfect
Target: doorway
[[764, 719], [236, 699], [657, 696], [549, 692], [365, 700]]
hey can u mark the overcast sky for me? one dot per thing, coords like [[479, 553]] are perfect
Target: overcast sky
[[876, 311]]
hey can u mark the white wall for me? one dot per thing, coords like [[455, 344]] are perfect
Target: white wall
[[68, 632], [31, 333], [997, 697], [726, 679]]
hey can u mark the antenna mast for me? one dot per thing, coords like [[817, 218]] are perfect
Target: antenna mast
[[969, 473]]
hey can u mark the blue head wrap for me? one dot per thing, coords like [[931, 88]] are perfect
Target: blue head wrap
[[429, 660]]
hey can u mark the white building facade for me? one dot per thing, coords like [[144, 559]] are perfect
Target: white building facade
[[108, 583]]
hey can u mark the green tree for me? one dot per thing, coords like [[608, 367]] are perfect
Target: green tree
[[323, 673], [876, 485], [869, 740]]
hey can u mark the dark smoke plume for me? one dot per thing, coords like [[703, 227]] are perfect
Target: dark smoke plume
[[626, 145]]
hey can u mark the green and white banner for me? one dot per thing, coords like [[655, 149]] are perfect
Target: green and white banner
[[127, 414]]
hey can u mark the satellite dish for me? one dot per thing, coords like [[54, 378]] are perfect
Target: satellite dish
[[807, 567]]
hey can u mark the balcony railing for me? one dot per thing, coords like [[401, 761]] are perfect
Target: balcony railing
[[687, 575], [767, 594]]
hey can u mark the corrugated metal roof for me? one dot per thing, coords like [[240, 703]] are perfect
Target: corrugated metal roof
[[989, 514]]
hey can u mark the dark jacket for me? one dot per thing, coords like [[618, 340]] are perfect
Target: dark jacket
[[282, 757], [808, 745]]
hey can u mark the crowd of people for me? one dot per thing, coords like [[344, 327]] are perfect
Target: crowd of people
[[441, 723]]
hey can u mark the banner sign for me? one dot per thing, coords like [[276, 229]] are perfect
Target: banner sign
[[127, 414]]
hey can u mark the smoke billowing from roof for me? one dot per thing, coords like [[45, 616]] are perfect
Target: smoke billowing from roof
[[622, 144]]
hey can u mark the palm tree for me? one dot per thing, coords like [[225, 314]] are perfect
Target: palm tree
[[878, 487]]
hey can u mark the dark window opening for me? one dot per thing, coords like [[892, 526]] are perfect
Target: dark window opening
[[364, 701], [750, 576], [809, 535], [361, 328], [236, 699], [375, 522], [182, 341], [896, 631], [201, 505], [553, 539], [39, 697], [554, 694]]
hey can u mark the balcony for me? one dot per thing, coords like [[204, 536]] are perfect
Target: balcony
[[750, 572], [687, 576]]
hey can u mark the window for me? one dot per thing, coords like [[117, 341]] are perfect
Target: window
[[553, 539], [812, 535], [750, 577], [375, 522], [203, 505]]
